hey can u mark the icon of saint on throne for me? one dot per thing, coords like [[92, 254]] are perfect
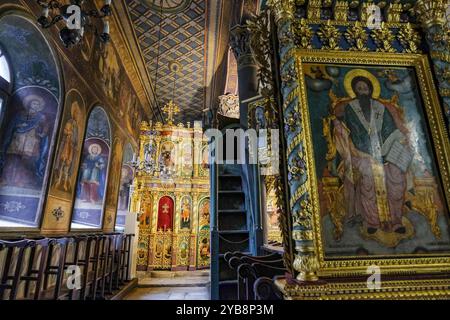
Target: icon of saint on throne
[[369, 181]]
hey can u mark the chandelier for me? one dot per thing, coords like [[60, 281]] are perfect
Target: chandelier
[[77, 20], [148, 164]]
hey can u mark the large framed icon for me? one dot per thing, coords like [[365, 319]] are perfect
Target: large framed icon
[[376, 152]]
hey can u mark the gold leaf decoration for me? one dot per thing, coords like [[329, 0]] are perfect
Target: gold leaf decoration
[[341, 11], [409, 39], [330, 36], [357, 37], [303, 34], [383, 38]]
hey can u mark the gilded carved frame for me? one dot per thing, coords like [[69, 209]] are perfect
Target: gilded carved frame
[[398, 264]]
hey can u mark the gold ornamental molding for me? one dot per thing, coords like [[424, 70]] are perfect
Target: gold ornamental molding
[[431, 12], [389, 290]]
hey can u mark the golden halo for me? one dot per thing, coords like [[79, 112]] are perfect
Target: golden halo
[[33, 97], [361, 73], [95, 145]]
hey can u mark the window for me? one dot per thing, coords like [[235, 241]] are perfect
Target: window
[[5, 73], [92, 174], [28, 120], [5, 82], [2, 103], [126, 181]]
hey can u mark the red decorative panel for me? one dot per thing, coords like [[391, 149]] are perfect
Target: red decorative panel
[[165, 213]]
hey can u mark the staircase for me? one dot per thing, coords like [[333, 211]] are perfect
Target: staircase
[[234, 234]]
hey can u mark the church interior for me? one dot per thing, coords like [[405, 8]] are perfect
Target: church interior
[[224, 150]]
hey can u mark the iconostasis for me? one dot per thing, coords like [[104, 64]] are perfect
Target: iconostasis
[[171, 196]]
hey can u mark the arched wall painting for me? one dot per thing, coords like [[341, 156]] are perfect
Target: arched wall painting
[[126, 180], [115, 169], [66, 163], [186, 212], [29, 122], [165, 214], [203, 233], [91, 186]]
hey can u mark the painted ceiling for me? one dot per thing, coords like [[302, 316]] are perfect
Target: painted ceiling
[[169, 31]]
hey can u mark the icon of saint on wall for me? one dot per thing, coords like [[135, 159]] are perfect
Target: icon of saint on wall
[[70, 144], [92, 174]]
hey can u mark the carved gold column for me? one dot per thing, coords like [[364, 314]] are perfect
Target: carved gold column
[[194, 233], [306, 262], [197, 150], [432, 15], [176, 228]]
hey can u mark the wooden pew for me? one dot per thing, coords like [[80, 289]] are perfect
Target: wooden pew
[[36, 266], [104, 261], [265, 289], [14, 249]]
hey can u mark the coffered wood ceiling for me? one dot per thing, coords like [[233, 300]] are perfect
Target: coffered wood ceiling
[[192, 33]]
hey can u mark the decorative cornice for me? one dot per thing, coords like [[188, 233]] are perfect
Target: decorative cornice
[[431, 12]]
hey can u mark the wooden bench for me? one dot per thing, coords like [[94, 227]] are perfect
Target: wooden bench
[[102, 259]]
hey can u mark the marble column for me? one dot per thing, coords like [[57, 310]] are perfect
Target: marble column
[[432, 16], [248, 88], [305, 262], [247, 68]]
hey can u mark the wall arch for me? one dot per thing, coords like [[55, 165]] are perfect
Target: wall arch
[[29, 121], [67, 155], [93, 172], [125, 183]]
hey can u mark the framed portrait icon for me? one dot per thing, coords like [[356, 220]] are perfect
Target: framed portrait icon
[[377, 157]]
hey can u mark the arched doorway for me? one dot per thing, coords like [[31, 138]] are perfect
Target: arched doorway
[[162, 251]]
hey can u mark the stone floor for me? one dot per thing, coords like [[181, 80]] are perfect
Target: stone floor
[[169, 293], [165, 285]]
